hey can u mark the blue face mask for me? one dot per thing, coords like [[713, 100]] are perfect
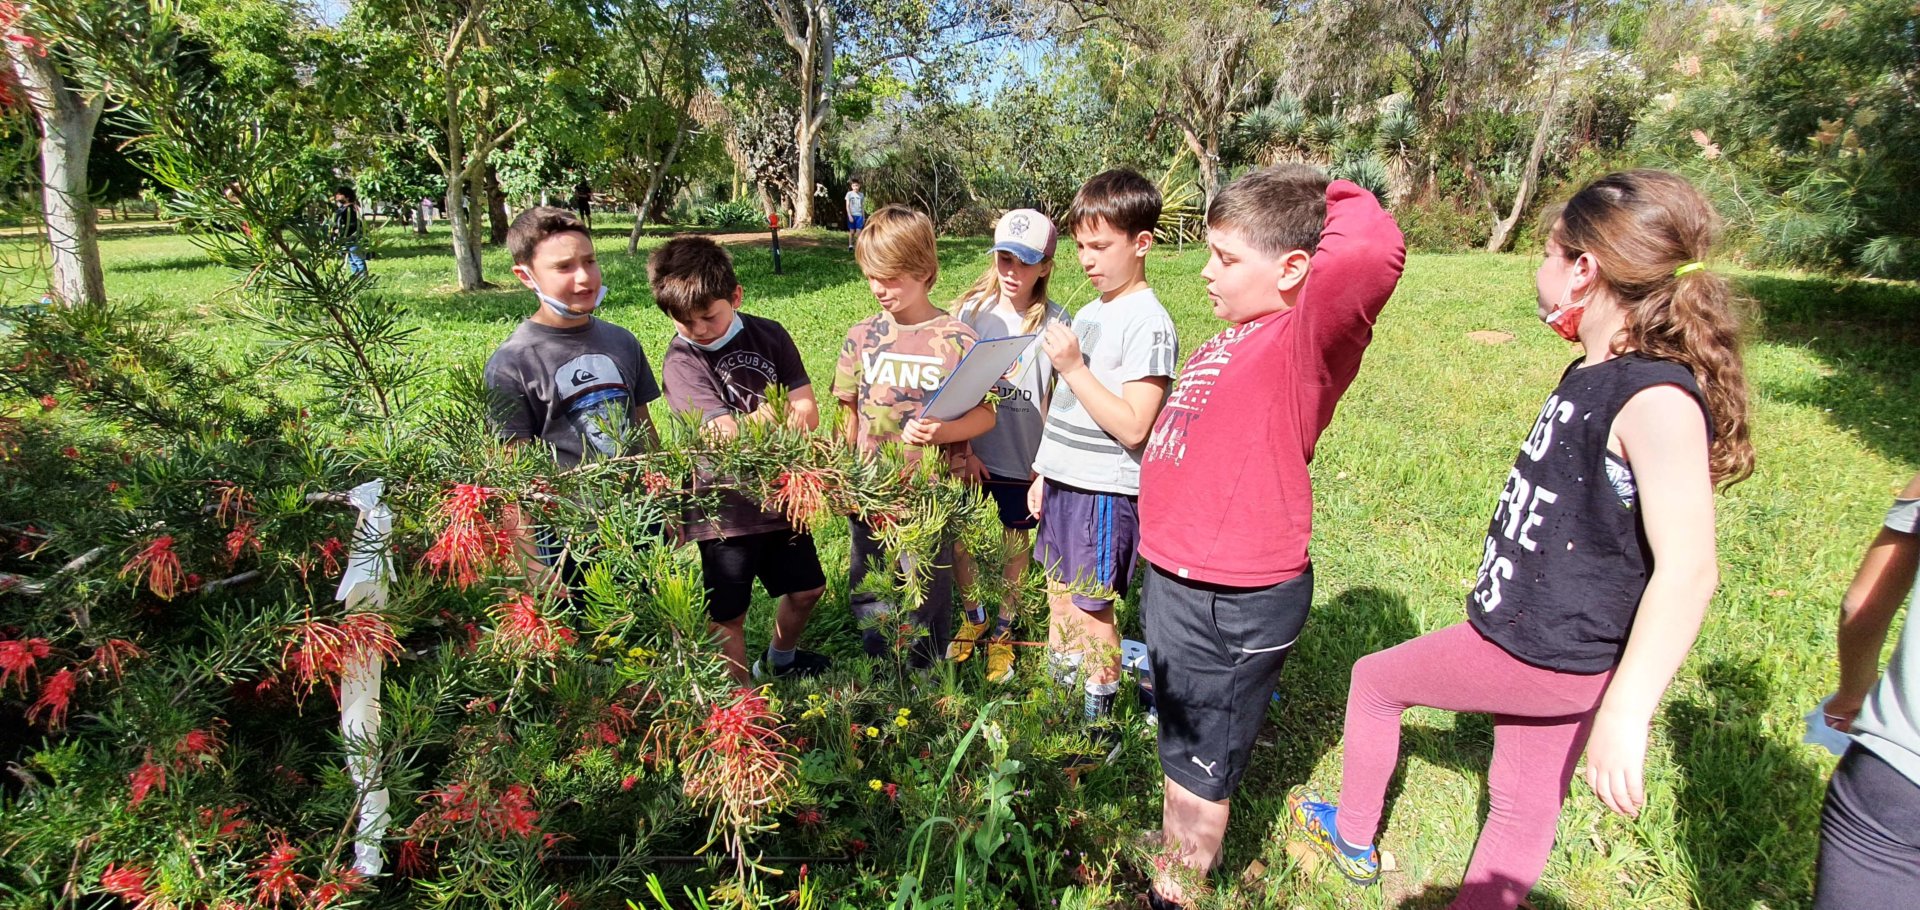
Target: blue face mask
[[561, 308], [721, 342]]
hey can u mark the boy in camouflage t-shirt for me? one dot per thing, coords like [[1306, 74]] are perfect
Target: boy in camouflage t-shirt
[[890, 366]]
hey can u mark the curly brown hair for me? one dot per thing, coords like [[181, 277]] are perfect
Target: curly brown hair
[[1646, 229]]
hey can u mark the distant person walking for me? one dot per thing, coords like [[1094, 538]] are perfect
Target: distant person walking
[[583, 201], [856, 211], [345, 227]]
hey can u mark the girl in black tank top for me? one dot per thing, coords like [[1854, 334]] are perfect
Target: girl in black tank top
[[1599, 560]]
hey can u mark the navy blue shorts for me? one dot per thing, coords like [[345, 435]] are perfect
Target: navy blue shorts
[[1010, 495], [1088, 540], [856, 222]]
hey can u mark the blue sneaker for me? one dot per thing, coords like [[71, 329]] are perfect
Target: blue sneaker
[[1315, 823]]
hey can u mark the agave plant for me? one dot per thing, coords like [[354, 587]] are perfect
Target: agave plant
[[1323, 134], [1271, 132], [1366, 169]]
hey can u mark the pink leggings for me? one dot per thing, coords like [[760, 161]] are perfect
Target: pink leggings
[[1540, 724]]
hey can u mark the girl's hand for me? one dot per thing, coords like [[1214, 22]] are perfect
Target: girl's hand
[[919, 431], [1034, 496], [1616, 760], [1063, 348]]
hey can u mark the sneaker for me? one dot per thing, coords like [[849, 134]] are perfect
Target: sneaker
[[1000, 658], [805, 663], [1102, 748], [1314, 822], [961, 646]]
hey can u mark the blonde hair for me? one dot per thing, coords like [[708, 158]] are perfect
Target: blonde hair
[[897, 241], [1642, 227], [987, 287]]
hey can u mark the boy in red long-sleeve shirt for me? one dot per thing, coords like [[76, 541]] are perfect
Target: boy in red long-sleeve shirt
[[1300, 268]]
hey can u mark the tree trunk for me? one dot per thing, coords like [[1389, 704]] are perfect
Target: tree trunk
[[654, 180], [496, 208], [1503, 227], [67, 122]]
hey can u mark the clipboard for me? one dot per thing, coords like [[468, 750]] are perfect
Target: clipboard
[[970, 382]]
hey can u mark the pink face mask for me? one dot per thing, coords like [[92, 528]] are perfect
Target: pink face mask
[[1565, 318]]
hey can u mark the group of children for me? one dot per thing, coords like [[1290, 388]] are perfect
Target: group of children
[[1102, 447]]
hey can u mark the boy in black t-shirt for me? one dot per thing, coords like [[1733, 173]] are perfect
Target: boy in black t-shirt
[[563, 378], [721, 363]]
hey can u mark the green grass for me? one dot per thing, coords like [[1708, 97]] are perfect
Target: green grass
[[1405, 480]]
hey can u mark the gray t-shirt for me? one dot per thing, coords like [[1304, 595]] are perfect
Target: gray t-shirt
[[856, 203], [1123, 340], [1020, 418], [574, 389], [1889, 721]]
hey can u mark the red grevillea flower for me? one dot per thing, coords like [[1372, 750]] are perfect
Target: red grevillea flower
[[128, 883], [17, 657], [275, 873], [112, 654], [416, 860], [53, 698], [737, 759], [655, 482], [330, 552], [470, 543], [234, 503], [144, 780], [227, 821], [326, 894], [198, 747], [159, 566], [801, 496], [463, 806], [241, 539], [48, 402], [317, 651], [515, 813], [521, 630]]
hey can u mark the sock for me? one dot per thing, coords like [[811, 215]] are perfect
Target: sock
[[1100, 699], [780, 658], [1333, 820], [1003, 627], [977, 615], [1065, 667]]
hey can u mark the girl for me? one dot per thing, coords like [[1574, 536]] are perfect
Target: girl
[[1600, 560], [1010, 298]]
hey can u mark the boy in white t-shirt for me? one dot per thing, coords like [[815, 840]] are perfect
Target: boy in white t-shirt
[[856, 211], [1114, 367]]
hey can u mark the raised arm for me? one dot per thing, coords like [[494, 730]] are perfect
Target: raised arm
[[1354, 271]]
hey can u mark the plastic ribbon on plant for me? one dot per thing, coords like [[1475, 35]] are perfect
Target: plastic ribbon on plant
[[363, 587]]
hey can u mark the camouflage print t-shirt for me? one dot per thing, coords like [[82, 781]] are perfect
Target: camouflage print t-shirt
[[889, 371]]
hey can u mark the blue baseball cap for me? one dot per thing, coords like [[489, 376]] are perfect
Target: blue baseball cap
[[1027, 234]]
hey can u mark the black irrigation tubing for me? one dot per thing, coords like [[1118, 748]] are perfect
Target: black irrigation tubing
[[697, 860]]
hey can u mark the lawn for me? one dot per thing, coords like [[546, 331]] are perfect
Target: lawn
[[1405, 477]]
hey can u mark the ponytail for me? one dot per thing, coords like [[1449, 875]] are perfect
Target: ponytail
[[1650, 231]]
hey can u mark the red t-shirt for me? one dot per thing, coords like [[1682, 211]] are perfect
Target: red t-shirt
[[1225, 497]]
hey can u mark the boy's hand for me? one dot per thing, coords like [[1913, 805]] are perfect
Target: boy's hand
[[920, 431], [1034, 496], [1063, 348]]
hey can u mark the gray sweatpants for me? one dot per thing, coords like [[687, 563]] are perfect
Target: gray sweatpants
[[1869, 837]]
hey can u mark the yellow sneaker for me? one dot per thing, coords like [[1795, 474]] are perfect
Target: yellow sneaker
[[961, 647], [1000, 658]]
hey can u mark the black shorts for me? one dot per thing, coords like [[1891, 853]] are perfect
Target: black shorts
[[1010, 497], [784, 561], [1869, 837], [1216, 654]]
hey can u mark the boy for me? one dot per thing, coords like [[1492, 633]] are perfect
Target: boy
[[721, 362], [564, 378], [345, 227], [1113, 368], [856, 211], [889, 367], [1225, 498]]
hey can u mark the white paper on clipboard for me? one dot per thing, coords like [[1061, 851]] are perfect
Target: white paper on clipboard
[[974, 377]]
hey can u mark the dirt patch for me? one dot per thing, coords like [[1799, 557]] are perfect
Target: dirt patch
[[760, 238], [1490, 336]]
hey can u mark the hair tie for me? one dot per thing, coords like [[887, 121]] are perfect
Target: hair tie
[[1689, 267]]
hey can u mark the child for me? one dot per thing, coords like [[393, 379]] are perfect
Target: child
[[1300, 268], [345, 227], [721, 362], [856, 211], [889, 367], [1869, 854], [1114, 366], [1599, 562], [563, 378], [1010, 299]]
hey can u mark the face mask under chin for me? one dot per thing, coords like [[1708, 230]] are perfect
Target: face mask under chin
[[1565, 318], [733, 330], [561, 309]]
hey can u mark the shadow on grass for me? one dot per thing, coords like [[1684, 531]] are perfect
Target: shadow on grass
[[1865, 333], [1738, 786], [1433, 897]]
